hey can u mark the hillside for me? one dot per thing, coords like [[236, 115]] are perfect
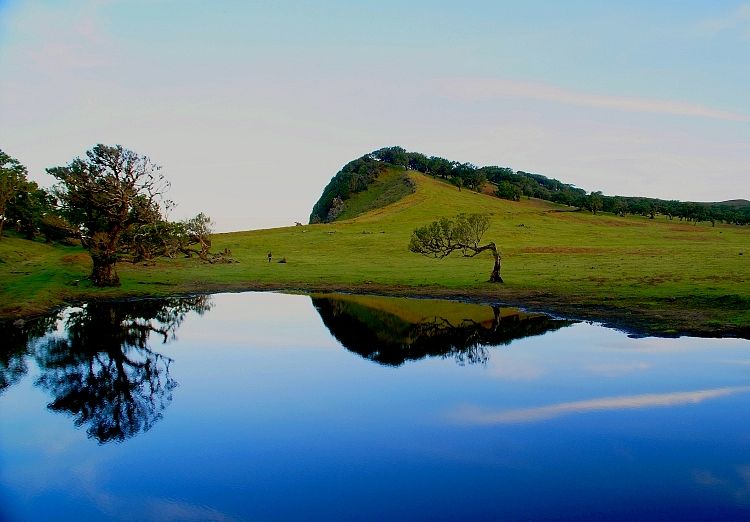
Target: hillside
[[363, 184], [340, 197], [733, 203], [655, 275]]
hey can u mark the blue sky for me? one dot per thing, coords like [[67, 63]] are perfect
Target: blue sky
[[251, 107]]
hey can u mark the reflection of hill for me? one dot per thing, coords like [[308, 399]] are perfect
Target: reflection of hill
[[391, 331]]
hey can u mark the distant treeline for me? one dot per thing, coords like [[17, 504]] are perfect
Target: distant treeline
[[512, 185]]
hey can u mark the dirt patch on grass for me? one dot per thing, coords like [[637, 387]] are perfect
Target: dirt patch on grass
[[561, 250], [618, 222], [489, 188], [600, 281], [590, 219], [75, 259], [651, 280], [701, 237], [650, 252], [657, 279], [686, 228], [734, 278]]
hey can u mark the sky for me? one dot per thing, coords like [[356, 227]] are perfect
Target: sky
[[251, 107]]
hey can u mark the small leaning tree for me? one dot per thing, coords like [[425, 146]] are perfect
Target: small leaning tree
[[462, 233]]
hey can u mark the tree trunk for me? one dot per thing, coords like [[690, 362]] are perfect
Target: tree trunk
[[495, 275], [104, 272], [102, 247]]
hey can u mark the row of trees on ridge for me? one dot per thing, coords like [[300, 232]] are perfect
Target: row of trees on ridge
[[513, 185]]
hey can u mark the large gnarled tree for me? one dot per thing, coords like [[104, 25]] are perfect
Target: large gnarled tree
[[106, 193], [462, 233]]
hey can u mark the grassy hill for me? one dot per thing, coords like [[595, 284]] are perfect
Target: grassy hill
[[733, 203], [655, 275], [389, 187]]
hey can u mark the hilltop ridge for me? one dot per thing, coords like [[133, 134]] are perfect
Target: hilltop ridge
[[339, 199]]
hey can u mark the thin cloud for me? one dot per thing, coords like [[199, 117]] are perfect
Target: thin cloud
[[74, 38], [737, 19], [473, 415], [480, 89]]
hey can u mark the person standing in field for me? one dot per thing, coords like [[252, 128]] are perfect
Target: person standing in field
[[269, 256]]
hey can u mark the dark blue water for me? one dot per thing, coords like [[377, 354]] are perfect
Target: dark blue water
[[277, 407]]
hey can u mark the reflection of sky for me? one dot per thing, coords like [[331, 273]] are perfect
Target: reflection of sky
[[269, 320], [587, 363], [471, 415], [273, 419]]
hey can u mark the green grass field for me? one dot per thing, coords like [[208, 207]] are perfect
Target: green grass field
[[665, 275]]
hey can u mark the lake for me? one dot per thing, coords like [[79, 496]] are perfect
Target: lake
[[265, 406]]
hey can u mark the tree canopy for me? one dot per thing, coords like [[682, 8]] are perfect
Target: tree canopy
[[105, 194], [462, 233]]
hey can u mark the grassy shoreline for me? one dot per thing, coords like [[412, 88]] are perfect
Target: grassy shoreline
[[693, 318], [644, 276]]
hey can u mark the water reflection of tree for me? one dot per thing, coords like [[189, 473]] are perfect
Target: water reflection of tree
[[103, 371], [389, 338], [16, 339]]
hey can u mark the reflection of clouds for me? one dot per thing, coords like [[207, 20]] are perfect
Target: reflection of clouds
[[168, 509], [89, 482], [735, 485], [50, 442], [617, 368], [474, 415], [511, 369], [706, 478], [743, 492], [658, 345], [83, 483], [139, 508]]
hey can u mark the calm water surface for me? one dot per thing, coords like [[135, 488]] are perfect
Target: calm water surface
[[276, 407]]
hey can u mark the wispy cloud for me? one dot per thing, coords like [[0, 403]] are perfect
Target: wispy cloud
[[482, 89], [474, 415], [737, 19], [75, 38]]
